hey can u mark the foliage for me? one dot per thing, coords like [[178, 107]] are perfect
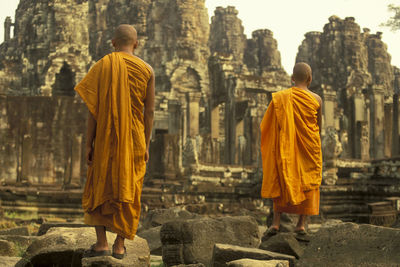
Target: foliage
[[393, 22], [20, 249], [20, 215], [5, 224]]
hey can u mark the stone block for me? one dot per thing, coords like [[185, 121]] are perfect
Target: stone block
[[22, 241], [349, 244], [152, 236], [156, 260], [19, 243], [160, 216], [112, 262], [224, 253], [65, 246], [192, 241], [190, 265], [258, 263], [11, 261], [284, 243], [44, 227], [23, 230], [7, 248]]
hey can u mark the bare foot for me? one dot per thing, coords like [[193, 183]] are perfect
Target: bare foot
[[272, 230], [118, 249], [276, 227], [118, 246], [100, 247]]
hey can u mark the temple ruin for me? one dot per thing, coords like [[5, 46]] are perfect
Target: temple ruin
[[213, 85]]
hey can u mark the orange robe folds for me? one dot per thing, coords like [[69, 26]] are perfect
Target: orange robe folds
[[114, 91], [291, 152]]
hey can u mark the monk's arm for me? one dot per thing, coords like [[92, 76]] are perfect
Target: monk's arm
[[149, 109]]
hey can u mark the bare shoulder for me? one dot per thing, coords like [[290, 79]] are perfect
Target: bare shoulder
[[317, 97], [145, 63], [150, 67]]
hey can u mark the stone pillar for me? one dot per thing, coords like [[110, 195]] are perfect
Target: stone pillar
[[77, 141], [193, 108], [357, 126], [215, 122], [329, 107], [7, 29], [364, 139], [396, 114], [331, 147], [396, 126], [174, 116], [230, 121], [240, 143], [388, 125], [377, 136], [27, 157]]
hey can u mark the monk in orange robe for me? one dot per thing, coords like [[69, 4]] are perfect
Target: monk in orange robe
[[119, 93], [291, 150]]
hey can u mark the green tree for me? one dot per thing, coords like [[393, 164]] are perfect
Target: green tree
[[393, 22]]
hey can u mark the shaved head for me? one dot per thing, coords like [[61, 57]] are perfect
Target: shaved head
[[302, 73], [125, 35]]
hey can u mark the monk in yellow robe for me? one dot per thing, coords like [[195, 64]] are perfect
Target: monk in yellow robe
[[291, 150], [119, 93]]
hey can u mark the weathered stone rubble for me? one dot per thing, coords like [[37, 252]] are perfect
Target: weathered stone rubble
[[65, 246], [218, 242], [350, 244], [258, 263], [192, 241]]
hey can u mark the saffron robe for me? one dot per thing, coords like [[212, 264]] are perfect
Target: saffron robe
[[114, 91], [291, 152]]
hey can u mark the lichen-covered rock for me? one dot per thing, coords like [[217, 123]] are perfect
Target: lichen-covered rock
[[349, 244], [6, 261], [152, 236], [22, 230], [18, 243], [66, 246], [112, 262], [44, 227], [258, 263], [192, 241], [223, 254], [284, 243], [158, 217], [7, 248], [190, 265]]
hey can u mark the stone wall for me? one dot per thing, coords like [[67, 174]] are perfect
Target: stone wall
[[42, 140]]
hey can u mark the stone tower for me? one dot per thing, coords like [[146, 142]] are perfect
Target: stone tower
[[353, 74]]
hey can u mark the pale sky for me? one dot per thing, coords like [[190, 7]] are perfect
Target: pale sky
[[291, 19]]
